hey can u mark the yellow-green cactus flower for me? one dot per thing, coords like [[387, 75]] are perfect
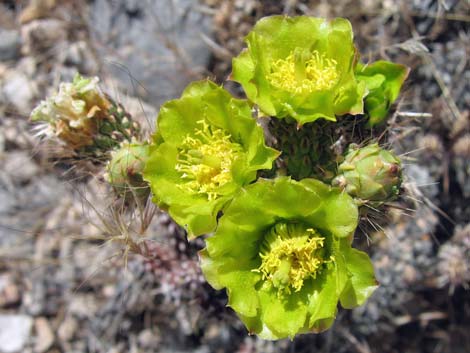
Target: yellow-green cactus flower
[[207, 147], [302, 67], [383, 81], [283, 252]]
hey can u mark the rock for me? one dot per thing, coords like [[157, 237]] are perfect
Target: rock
[[83, 305], [14, 332], [40, 35], [10, 44], [19, 91], [23, 210], [80, 55], [9, 292], [36, 9], [2, 144], [153, 47], [19, 166], [44, 335], [149, 339], [67, 329]]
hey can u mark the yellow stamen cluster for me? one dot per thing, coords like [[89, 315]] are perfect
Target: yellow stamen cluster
[[302, 73], [205, 160], [290, 254]]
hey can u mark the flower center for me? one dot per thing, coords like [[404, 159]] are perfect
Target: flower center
[[304, 72], [205, 160], [290, 254]]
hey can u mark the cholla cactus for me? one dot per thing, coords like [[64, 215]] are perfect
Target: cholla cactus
[[283, 251], [314, 150], [302, 67], [370, 174], [282, 247], [86, 122]]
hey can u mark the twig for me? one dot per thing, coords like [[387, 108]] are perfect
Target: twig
[[361, 347], [414, 115]]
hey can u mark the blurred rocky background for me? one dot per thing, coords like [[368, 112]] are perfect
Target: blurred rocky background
[[66, 287]]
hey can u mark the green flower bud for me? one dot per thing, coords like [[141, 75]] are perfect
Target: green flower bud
[[370, 173], [283, 252], [383, 81], [207, 147], [301, 67], [124, 171]]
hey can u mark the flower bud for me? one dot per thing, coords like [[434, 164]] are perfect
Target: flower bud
[[124, 171], [370, 173]]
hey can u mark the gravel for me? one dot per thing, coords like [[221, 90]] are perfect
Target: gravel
[[10, 44], [14, 332]]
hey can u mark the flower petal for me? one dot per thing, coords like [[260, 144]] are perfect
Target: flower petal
[[362, 282]]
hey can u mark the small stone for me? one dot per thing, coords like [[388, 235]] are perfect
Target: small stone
[[44, 335], [9, 292], [19, 91], [14, 332], [80, 55], [40, 35], [148, 339], [10, 43], [2, 144], [67, 329], [36, 9], [83, 306], [19, 166]]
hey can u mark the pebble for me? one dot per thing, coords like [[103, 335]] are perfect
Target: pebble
[[148, 339], [67, 329], [9, 292], [14, 332], [19, 91], [19, 165], [10, 44], [83, 305], [44, 335], [40, 35], [80, 55]]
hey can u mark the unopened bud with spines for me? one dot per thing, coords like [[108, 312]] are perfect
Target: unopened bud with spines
[[370, 174], [124, 171]]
